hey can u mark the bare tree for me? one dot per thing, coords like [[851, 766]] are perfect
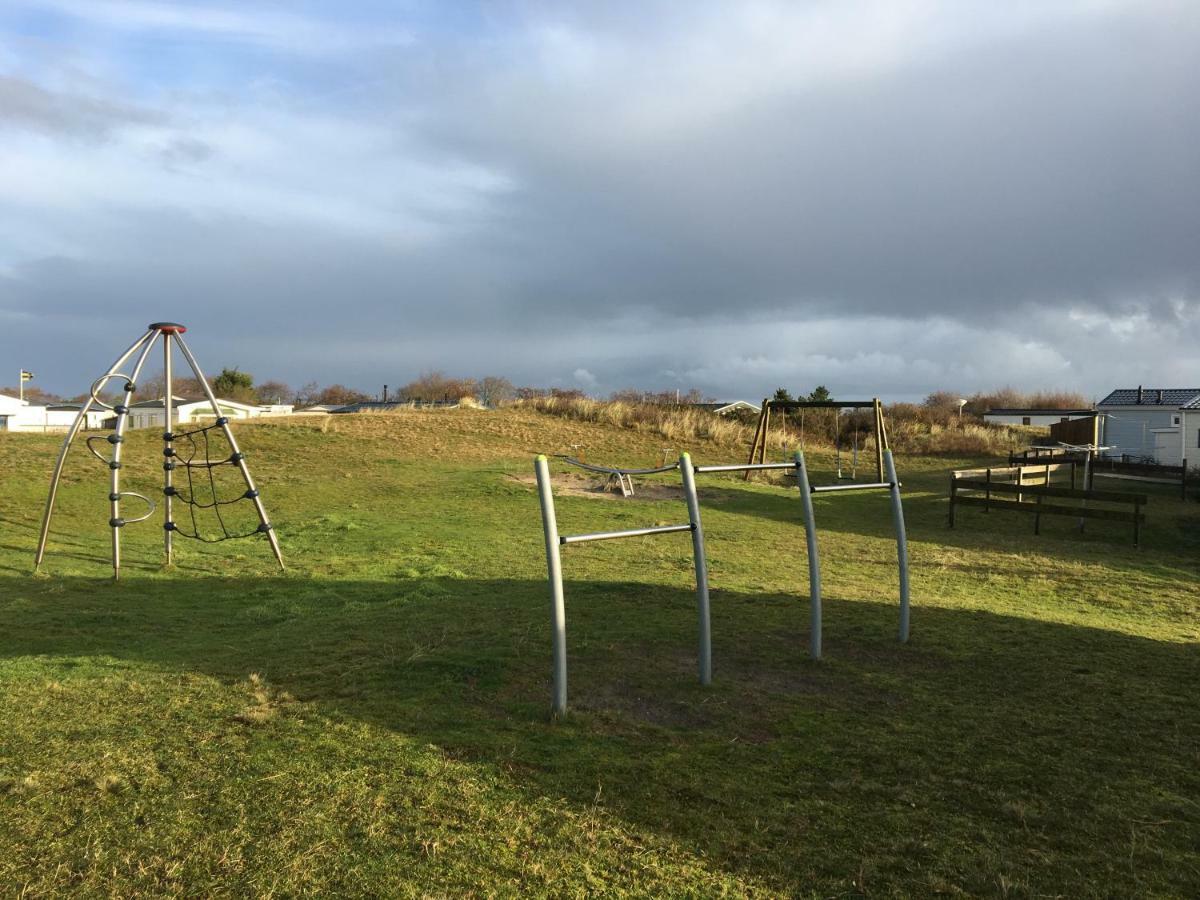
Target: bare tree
[[275, 391], [494, 390], [340, 395], [431, 387]]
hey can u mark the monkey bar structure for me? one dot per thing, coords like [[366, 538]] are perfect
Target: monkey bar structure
[[688, 472], [171, 333], [758, 445]]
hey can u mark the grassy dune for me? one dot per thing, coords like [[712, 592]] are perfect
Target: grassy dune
[[375, 720]]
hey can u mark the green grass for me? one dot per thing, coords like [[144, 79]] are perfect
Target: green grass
[[375, 720]]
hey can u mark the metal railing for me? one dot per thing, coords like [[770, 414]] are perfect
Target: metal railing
[[555, 542]]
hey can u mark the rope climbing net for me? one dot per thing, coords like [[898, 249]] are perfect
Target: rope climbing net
[[199, 444]]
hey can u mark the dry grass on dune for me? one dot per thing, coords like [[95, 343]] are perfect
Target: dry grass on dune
[[683, 424]]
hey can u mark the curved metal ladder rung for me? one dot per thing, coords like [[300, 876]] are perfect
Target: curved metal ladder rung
[[104, 379], [149, 504], [92, 450]]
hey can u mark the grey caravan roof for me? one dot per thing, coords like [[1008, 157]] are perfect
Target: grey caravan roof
[[1175, 397]]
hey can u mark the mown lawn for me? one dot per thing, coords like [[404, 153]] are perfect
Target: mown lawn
[[375, 720]]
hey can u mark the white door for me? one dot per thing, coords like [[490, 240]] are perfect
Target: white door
[[1166, 447]]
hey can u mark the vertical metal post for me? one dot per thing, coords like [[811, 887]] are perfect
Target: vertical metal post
[[251, 490], [66, 446], [168, 444], [558, 614], [117, 438], [901, 543], [693, 505], [814, 560]]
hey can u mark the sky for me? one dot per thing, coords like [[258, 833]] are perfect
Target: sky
[[888, 198]]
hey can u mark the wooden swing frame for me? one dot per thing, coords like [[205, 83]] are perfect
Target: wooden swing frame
[[758, 446]]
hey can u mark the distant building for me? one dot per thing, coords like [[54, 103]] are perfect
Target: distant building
[[94, 418], [1162, 424], [21, 415], [1042, 417], [152, 413]]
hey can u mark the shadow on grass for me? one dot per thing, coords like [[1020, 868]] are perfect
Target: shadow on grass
[[984, 744]]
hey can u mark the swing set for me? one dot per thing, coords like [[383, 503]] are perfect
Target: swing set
[[758, 446]]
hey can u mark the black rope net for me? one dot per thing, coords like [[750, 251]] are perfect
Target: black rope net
[[198, 455]]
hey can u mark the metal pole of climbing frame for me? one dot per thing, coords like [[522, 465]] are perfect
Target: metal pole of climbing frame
[[80, 419], [168, 437], [693, 505], [814, 560], [901, 543], [558, 614], [117, 438]]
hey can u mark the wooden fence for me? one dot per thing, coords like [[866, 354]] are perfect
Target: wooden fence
[[968, 489], [1044, 474], [1045, 455], [1125, 467], [1080, 432]]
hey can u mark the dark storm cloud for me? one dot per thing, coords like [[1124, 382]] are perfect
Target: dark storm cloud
[[870, 195], [1060, 167]]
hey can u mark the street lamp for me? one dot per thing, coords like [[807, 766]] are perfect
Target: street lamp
[[961, 404]]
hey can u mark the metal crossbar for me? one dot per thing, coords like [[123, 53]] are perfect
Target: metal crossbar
[[744, 467], [864, 486], [632, 532]]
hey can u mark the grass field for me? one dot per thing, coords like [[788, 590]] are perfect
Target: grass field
[[375, 720]]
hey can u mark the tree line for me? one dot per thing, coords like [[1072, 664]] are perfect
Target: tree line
[[940, 407]]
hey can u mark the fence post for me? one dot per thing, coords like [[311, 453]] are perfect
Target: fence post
[[1137, 521], [954, 494], [901, 543], [558, 615], [987, 493], [693, 505], [814, 560]]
